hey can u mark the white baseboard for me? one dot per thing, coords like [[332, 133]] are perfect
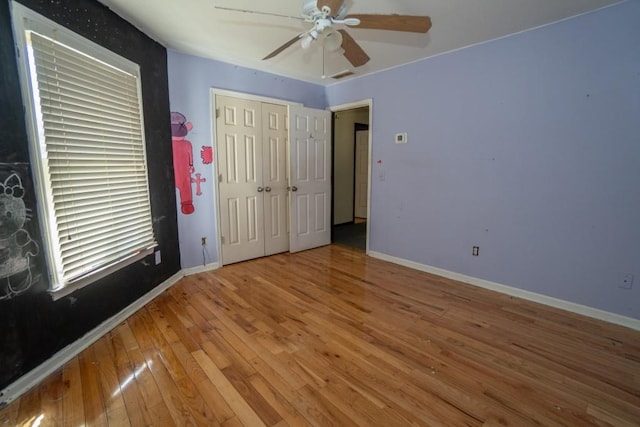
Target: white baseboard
[[520, 293], [42, 371], [200, 269]]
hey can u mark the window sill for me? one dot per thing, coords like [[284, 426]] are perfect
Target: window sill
[[63, 291]]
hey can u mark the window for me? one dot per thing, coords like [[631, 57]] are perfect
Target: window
[[87, 149]]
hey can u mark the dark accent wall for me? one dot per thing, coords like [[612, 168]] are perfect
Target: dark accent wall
[[32, 326]]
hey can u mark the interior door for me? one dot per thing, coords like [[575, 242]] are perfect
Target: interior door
[[310, 184], [275, 178], [361, 174], [239, 142]]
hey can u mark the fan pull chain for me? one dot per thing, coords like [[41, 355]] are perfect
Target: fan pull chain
[[324, 75]]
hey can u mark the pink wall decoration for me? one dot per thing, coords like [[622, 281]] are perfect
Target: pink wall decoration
[[182, 161], [197, 181], [207, 155]]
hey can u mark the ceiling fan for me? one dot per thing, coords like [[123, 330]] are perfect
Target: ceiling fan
[[326, 14]]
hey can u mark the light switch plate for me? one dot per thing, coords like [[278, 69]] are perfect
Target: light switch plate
[[401, 138]]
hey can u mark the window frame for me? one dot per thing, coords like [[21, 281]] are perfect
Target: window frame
[[24, 19]]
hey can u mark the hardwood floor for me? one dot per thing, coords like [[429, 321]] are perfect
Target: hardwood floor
[[330, 337]]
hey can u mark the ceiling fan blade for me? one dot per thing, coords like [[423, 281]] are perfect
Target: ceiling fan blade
[[334, 5], [352, 50], [283, 47], [408, 23]]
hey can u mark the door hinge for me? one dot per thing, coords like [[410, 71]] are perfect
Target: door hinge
[[219, 177], [222, 239], [217, 113]]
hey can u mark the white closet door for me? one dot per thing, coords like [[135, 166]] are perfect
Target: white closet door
[[239, 142], [275, 178], [310, 163]]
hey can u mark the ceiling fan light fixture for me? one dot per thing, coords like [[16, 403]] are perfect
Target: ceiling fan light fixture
[[333, 41], [306, 41]]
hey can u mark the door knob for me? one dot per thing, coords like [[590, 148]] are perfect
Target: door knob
[[294, 188], [260, 189], [268, 189]]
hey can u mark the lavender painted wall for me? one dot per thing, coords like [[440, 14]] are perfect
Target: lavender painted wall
[[190, 82], [528, 147]]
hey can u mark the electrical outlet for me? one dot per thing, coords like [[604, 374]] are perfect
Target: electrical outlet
[[158, 257], [204, 241], [475, 251], [627, 281]]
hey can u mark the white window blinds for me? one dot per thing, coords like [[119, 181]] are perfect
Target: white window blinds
[[93, 160]]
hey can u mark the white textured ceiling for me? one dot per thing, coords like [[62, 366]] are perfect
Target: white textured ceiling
[[196, 27]]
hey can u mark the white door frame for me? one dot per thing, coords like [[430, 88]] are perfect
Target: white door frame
[[351, 106], [240, 95], [358, 172]]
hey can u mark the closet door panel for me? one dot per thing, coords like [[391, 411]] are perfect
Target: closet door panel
[[275, 178], [310, 163], [240, 165]]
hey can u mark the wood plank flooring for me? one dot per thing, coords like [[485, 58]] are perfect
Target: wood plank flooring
[[331, 337]]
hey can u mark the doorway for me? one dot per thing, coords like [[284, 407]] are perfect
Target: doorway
[[351, 172]]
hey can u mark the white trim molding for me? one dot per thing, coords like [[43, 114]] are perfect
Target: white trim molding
[[519, 293], [200, 269]]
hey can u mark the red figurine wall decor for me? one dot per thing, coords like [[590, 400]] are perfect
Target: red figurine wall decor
[[182, 160]]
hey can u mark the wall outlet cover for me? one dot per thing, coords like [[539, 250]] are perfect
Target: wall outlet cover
[[626, 282]]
